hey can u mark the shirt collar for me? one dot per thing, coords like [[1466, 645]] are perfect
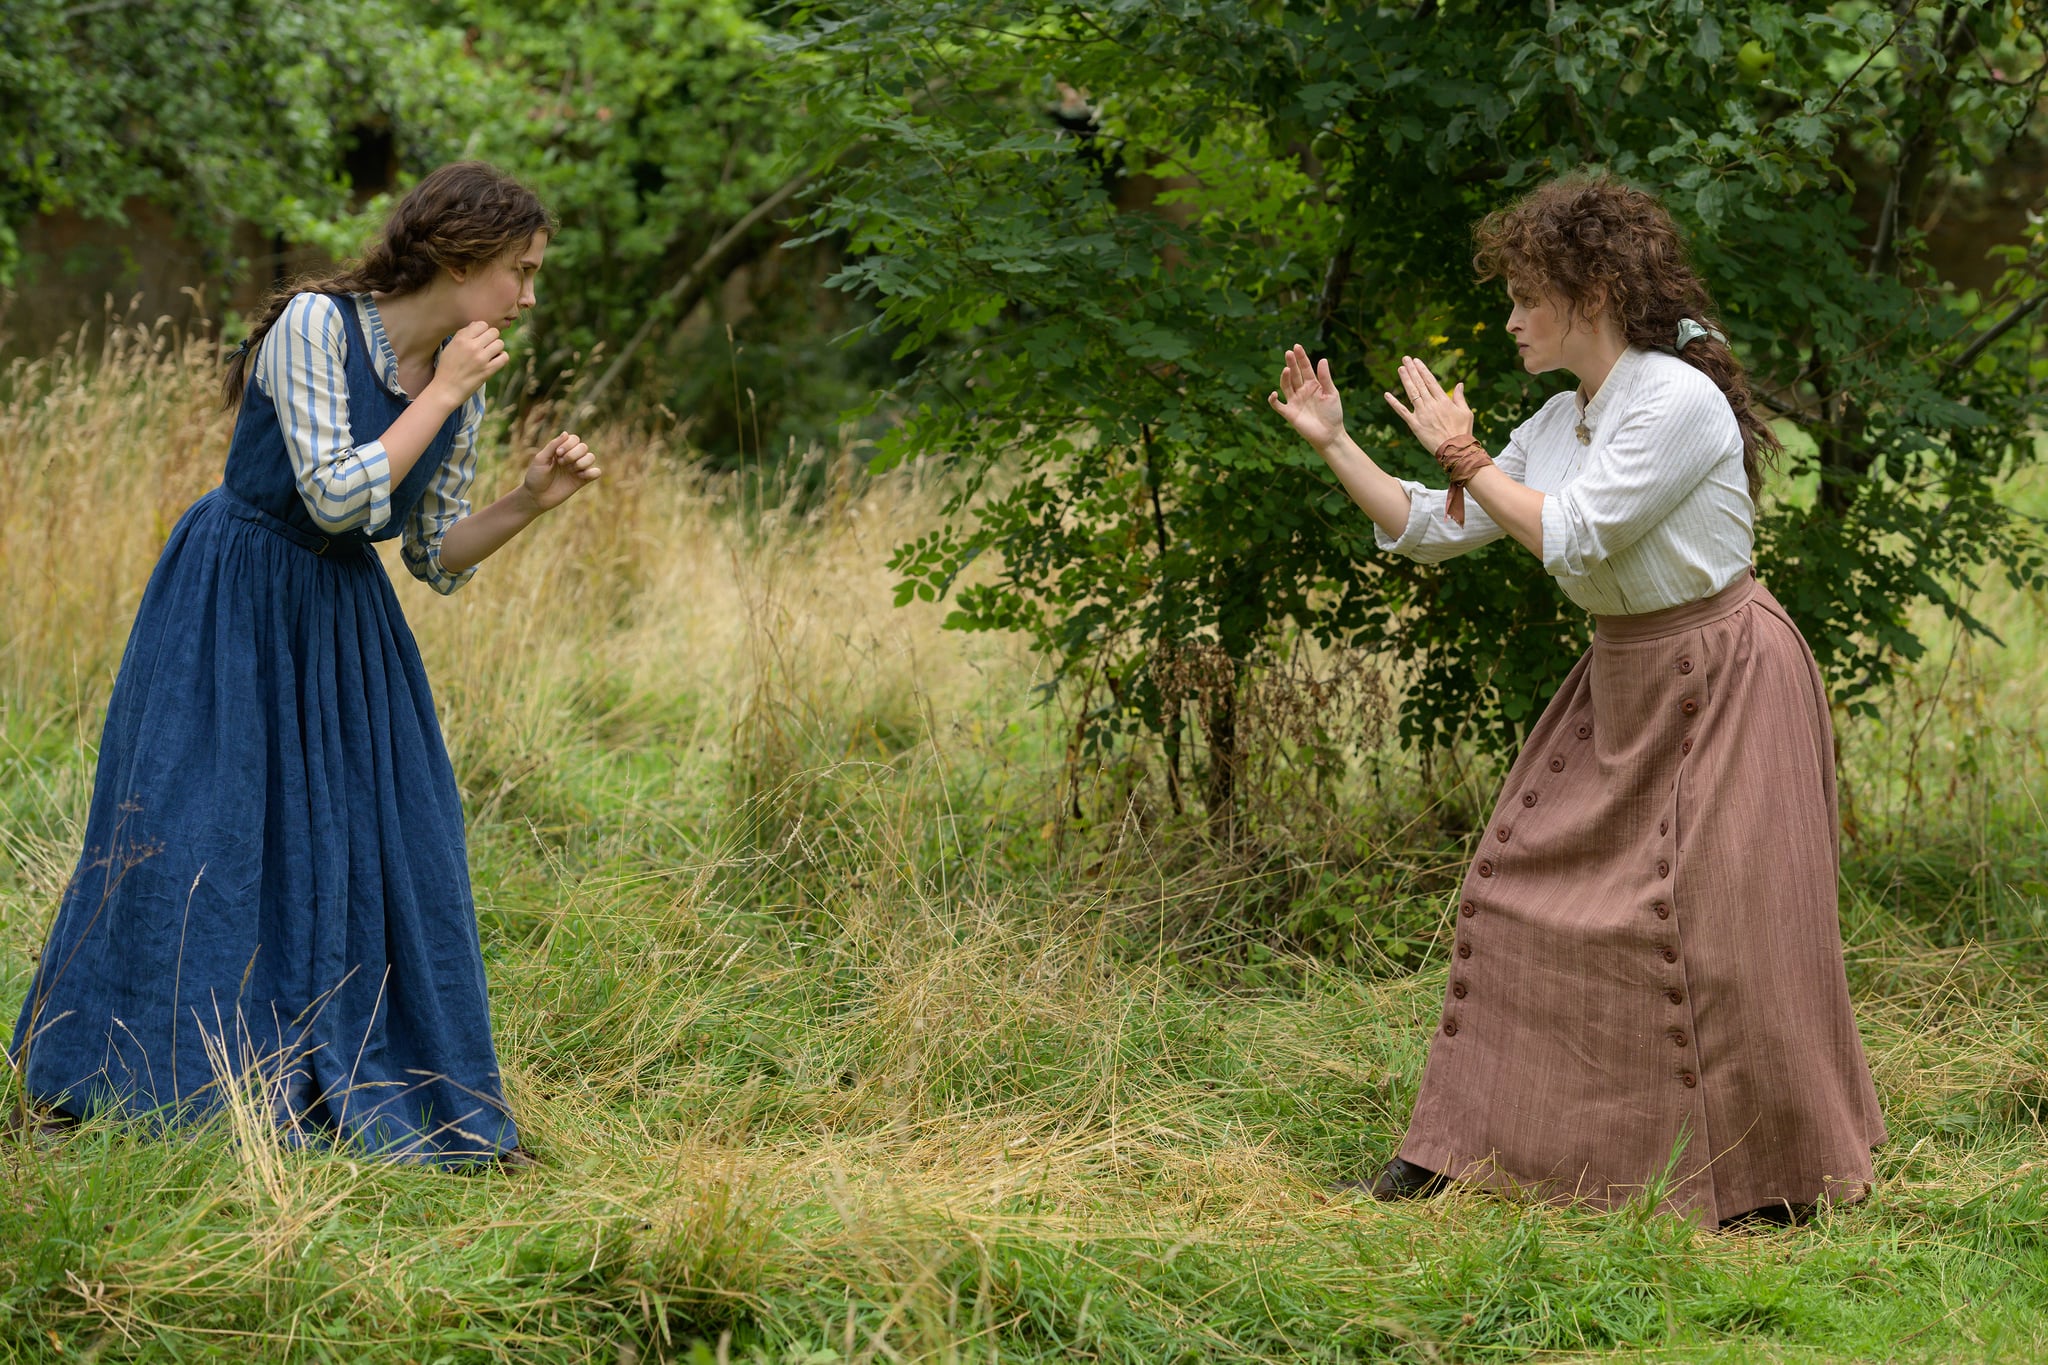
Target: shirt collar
[[382, 357], [1619, 381]]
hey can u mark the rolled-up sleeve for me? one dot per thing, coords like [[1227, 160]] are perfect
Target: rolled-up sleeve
[[302, 368], [1657, 456], [445, 502], [1430, 536]]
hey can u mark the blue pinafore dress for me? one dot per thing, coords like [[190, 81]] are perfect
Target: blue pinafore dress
[[274, 892]]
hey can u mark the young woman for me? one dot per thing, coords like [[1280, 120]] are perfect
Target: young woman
[[1646, 989], [274, 889]]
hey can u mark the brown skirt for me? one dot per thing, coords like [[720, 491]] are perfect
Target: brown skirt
[[1647, 993]]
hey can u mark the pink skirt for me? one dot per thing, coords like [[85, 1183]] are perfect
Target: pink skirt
[[1646, 995]]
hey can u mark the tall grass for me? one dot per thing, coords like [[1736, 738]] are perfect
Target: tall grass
[[840, 1042]]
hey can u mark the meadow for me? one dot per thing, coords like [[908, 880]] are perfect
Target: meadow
[[846, 1029]]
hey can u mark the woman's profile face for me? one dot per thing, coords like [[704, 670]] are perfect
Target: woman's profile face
[[1537, 322], [499, 291]]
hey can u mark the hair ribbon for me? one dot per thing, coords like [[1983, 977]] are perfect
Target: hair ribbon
[[1690, 331]]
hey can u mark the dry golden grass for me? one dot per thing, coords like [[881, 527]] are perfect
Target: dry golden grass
[[832, 1056]]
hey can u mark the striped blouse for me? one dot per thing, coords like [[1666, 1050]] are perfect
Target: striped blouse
[[1653, 512], [347, 486]]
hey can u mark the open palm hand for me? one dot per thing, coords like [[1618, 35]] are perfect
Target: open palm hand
[[1433, 415], [1308, 399]]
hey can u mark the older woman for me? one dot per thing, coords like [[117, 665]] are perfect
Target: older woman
[[1646, 992]]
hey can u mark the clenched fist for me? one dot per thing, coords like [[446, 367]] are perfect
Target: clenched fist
[[471, 356]]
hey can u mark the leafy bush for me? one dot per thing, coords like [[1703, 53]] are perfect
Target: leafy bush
[[1124, 212]]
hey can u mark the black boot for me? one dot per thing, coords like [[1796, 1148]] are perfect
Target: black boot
[[1406, 1180], [1770, 1216], [44, 1127]]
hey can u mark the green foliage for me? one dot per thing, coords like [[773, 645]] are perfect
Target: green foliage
[[645, 126], [1252, 174], [217, 109]]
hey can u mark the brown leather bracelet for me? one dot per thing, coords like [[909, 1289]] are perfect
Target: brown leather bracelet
[[1460, 458]]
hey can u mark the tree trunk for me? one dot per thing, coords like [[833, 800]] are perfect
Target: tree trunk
[[1924, 125], [1334, 281], [1169, 724], [1219, 786]]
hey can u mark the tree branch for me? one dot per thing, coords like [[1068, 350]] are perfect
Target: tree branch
[[686, 283], [1924, 101], [97, 7], [1887, 218], [1906, 13], [1334, 280], [1991, 334]]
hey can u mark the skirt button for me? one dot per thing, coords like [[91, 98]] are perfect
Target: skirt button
[[1451, 1028], [1528, 798], [1557, 765], [1689, 1079]]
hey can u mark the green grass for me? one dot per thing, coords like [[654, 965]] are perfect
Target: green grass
[[841, 1039]]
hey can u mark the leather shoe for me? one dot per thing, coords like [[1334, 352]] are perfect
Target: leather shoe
[[45, 1128], [1406, 1180], [1782, 1215]]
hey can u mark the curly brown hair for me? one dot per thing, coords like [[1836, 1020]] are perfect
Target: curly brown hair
[[1610, 249], [464, 214]]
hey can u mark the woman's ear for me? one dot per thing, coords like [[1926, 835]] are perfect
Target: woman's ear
[[1585, 313], [457, 273], [1593, 313]]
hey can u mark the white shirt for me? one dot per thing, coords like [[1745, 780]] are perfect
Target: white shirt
[[300, 368], [1652, 513]]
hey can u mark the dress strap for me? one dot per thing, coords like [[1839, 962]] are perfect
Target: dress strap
[[352, 329]]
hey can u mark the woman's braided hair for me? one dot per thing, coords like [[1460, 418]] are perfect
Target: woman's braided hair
[[1596, 243], [465, 214]]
